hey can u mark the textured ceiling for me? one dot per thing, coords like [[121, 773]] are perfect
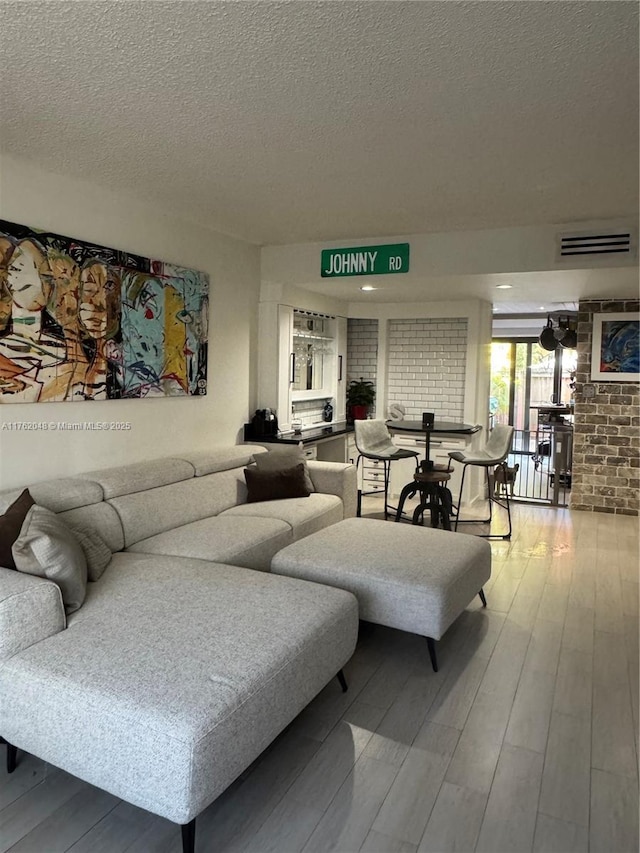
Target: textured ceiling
[[284, 122]]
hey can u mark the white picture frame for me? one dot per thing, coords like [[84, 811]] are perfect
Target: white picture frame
[[615, 347]]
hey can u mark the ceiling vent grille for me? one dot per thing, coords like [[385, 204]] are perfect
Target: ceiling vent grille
[[596, 243]]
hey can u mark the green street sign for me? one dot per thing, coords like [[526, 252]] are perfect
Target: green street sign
[[365, 260]]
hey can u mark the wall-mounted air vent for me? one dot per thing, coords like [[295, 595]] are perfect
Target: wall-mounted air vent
[[595, 243]]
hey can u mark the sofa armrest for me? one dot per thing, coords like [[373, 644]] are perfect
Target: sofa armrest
[[31, 610], [336, 478]]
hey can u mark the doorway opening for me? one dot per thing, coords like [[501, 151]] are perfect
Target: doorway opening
[[532, 389]]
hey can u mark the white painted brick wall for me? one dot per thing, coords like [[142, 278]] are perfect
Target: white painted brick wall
[[362, 350], [308, 411], [427, 366]]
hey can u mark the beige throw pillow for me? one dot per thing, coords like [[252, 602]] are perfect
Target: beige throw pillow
[[48, 548], [282, 459], [96, 551]]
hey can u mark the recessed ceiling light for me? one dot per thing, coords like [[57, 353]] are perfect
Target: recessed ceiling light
[[368, 287], [504, 286], [541, 308]]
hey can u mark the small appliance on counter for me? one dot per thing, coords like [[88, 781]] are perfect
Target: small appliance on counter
[[263, 424]]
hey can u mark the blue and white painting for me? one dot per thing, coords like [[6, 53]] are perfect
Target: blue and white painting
[[79, 321], [616, 347]]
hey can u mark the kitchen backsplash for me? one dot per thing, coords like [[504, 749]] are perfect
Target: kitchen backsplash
[[309, 411], [427, 366]]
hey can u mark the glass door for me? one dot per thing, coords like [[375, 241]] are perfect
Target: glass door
[[523, 374], [526, 382]]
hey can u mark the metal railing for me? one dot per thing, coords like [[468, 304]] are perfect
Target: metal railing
[[543, 460]]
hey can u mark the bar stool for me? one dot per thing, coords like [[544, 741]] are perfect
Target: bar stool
[[434, 496], [494, 453], [373, 441]]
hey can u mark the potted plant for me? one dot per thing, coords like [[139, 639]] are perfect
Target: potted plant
[[361, 394]]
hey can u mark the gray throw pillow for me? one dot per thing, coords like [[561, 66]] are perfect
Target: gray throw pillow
[[48, 548], [282, 459], [96, 551]]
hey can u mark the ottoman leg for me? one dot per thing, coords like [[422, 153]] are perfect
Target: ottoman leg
[[12, 755], [343, 681], [482, 598], [431, 643], [188, 836]]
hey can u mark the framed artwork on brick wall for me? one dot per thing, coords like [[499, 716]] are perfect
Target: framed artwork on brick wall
[[615, 348]]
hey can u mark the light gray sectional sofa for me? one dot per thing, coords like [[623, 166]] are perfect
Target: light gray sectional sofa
[[183, 663]]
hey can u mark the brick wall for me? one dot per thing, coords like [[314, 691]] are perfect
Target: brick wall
[[427, 366], [362, 350], [606, 463]]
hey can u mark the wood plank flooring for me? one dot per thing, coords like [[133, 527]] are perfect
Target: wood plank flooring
[[526, 740]]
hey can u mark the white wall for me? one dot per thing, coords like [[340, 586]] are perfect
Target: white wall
[[454, 254], [478, 359], [299, 298], [427, 361], [159, 427]]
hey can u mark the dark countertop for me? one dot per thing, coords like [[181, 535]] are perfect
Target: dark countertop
[[450, 427], [308, 436]]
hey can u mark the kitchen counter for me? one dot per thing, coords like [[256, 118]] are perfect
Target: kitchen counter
[[308, 436], [329, 442]]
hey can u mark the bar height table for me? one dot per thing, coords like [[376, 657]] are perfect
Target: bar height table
[[435, 496], [449, 427]]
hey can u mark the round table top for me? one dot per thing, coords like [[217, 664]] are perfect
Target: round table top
[[455, 427]]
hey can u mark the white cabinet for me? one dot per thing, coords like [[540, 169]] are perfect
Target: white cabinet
[[370, 471], [313, 357], [340, 401], [302, 359]]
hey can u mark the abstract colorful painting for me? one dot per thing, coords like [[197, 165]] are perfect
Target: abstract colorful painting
[[80, 321], [615, 351]]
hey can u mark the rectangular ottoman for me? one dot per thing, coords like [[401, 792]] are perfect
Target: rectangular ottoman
[[416, 579]]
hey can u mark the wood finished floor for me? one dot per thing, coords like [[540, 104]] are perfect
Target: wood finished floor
[[526, 740]]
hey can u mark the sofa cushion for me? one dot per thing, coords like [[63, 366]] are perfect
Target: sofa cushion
[[223, 458], [155, 511], [140, 476], [46, 547], [304, 516], [58, 495], [284, 458], [276, 485], [31, 609], [10, 525], [168, 697], [103, 518], [248, 542]]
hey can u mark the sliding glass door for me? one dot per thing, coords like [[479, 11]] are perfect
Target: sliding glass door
[[523, 374], [526, 380]]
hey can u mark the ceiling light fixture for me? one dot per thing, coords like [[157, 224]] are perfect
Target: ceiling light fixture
[[368, 287], [504, 286]]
